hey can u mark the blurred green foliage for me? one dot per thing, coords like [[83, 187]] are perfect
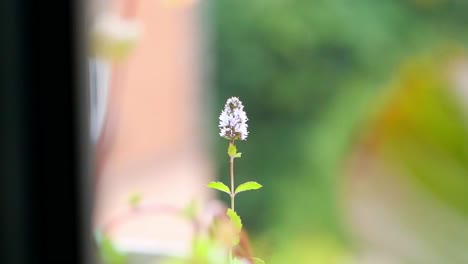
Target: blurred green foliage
[[424, 131], [109, 254], [419, 134], [307, 71]]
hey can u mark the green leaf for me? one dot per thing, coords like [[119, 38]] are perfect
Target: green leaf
[[109, 253], [219, 186], [232, 150], [247, 186], [258, 261], [238, 155], [235, 219], [206, 250], [201, 247]]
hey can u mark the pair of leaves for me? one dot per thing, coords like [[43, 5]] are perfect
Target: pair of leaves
[[247, 186]]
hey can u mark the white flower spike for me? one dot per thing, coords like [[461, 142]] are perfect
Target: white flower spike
[[233, 120]]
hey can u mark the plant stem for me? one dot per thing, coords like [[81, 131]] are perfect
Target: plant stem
[[232, 183], [231, 161]]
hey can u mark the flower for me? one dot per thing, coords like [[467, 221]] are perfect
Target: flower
[[233, 120]]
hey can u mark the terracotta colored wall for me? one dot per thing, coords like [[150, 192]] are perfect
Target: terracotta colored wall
[[156, 150]]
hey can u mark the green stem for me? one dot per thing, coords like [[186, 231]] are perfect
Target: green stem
[[232, 183], [232, 195]]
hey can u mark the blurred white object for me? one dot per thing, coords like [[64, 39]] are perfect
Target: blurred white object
[[99, 88], [113, 37], [112, 26]]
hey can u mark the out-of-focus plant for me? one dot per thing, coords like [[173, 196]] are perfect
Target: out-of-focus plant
[[422, 128], [109, 253], [320, 249], [211, 242], [408, 170]]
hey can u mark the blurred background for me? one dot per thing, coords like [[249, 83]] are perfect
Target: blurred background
[[358, 124]]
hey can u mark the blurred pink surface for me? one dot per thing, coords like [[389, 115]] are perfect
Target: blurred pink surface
[[156, 151]]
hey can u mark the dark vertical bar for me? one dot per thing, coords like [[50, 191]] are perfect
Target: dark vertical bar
[[45, 199], [55, 198], [14, 159]]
